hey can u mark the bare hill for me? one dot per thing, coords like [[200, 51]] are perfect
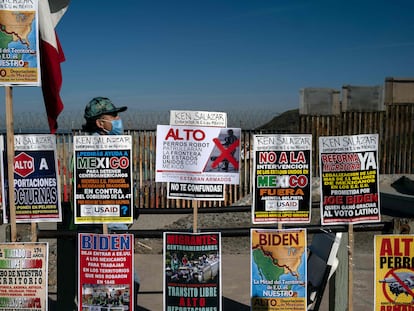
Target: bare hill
[[287, 122]]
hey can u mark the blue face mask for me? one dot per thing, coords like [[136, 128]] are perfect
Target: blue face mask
[[117, 127]]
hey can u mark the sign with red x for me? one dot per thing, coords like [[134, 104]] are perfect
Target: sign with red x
[[197, 155], [227, 154]]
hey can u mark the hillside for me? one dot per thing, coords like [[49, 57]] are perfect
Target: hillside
[[287, 122]]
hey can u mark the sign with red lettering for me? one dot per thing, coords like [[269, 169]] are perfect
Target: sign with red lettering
[[36, 179], [278, 269], [199, 155], [192, 275], [349, 179], [24, 276], [103, 179], [208, 192], [281, 178], [394, 272], [106, 269]]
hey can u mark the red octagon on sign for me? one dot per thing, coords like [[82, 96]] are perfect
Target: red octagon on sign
[[23, 164]]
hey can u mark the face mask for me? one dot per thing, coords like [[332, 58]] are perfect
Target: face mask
[[117, 127]]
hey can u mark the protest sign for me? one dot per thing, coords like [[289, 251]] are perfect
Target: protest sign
[[278, 269], [106, 270], [282, 178], [36, 179], [23, 276], [192, 277], [394, 272], [202, 155], [198, 118], [208, 192], [349, 179], [19, 51], [103, 179]]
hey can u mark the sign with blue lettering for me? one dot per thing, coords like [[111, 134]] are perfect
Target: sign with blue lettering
[[106, 269], [103, 179]]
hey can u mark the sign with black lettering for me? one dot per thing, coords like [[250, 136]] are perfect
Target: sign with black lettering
[[106, 269], [195, 191], [103, 179], [201, 155], [349, 179], [282, 178], [394, 272], [192, 271], [278, 269], [23, 275], [198, 118], [36, 179]]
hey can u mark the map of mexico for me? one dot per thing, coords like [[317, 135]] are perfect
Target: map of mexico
[[18, 44]]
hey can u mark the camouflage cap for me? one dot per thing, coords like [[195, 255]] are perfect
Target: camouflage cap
[[99, 106]]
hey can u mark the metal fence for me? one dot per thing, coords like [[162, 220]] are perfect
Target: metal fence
[[395, 127]]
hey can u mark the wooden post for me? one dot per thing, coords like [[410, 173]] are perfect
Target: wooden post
[[350, 264], [10, 157], [195, 216], [34, 232]]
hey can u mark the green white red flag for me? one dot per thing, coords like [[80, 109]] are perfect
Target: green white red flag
[[51, 55]]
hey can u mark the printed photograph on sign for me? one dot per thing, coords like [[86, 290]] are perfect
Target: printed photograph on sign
[[204, 155], [394, 272], [192, 275]]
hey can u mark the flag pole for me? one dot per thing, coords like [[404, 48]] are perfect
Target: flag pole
[[10, 157]]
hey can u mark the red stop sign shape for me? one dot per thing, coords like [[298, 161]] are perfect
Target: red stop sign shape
[[23, 164]]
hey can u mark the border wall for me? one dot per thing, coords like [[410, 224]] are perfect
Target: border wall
[[390, 114]]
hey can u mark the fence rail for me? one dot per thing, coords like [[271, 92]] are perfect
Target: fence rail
[[395, 127]]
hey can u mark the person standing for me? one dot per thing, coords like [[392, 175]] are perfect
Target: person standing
[[102, 118]]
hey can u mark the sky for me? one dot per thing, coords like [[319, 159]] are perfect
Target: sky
[[224, 55]]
